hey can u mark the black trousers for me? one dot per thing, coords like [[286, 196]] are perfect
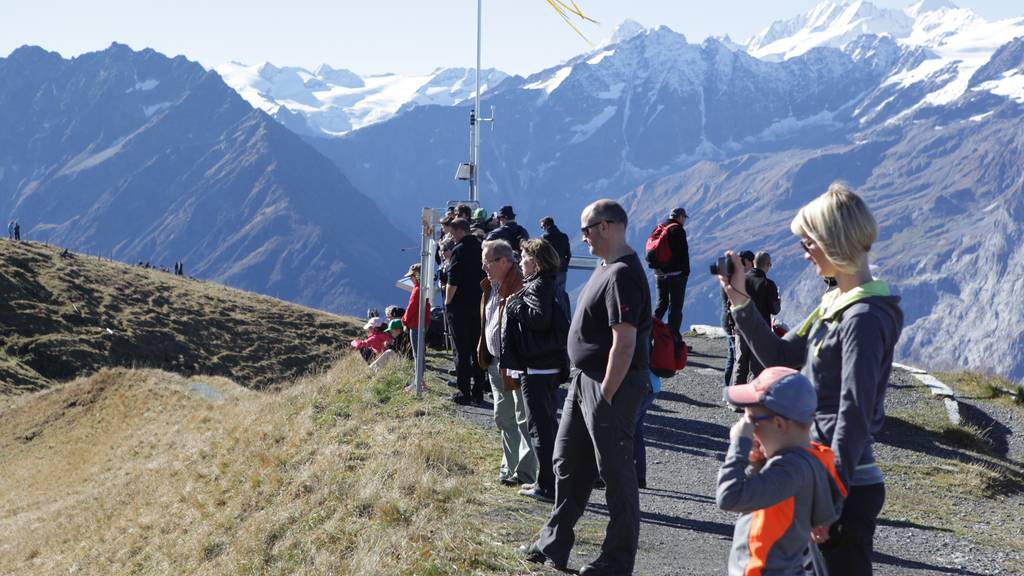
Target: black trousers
[[539, 392], [671, 291], [747, 363], [465, 323], [850, 544], [595, 437]]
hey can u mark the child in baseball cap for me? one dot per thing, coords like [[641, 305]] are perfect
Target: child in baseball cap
[[793, 485]]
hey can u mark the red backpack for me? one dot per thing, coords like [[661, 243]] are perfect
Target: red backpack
[[668, 353], [659, 253]]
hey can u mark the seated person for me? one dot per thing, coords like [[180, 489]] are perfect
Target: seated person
[[376, 340], [398, 348]]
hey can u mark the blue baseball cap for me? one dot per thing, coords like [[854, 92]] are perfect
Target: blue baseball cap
[[784, 391]]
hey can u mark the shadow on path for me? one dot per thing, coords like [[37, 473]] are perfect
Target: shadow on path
[[658, 519], [917, 565]]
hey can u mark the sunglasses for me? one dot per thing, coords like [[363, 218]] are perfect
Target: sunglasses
[[586, 229]]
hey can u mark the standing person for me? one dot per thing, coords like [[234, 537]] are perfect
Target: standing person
[[765, 295], [411, 317], [10, 230], [534, 344], [609, 344], [845, 347], [509, 230], [560, 242], [518, 461], [671, 272], [462, 301], [744, 353], [729, 325], [17, 230], [783, 485]]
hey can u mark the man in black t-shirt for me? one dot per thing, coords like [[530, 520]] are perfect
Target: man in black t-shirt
[[609, 344], [462, 301]]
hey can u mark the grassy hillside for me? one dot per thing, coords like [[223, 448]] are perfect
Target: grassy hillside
[[65, 316], [147, 472]]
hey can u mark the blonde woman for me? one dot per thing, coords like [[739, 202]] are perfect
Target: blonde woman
[[845, 348]]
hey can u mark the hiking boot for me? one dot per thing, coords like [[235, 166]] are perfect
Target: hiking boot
[[537, 494], [531, 553], [453, 384], [511, 481], [598, 568], [461, 399]]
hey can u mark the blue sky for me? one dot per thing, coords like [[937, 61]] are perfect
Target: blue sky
[[402, 36]]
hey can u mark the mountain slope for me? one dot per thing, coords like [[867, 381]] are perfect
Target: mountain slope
[[143, 157], [947, 191], [605, 122], [64, 316]]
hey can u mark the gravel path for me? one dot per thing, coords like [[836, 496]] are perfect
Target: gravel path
[[683, 531]]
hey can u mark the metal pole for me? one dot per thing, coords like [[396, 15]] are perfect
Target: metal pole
[[421, 333], [475, 155]]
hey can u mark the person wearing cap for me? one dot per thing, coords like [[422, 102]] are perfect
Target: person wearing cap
[[793, 485], [411, 317], [765, 295], [671, 277], [479, 222], [845, 348], [609, 345], [376, 339], [509, 230], [560, 242], [396, 349]]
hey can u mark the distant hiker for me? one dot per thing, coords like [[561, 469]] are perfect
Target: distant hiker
[[376, 339], [10, 230], [509, 230], [668, 254], [560, 242], [609, 345], [462, 301], [792, 485], [17, 231], [534, 344], [743, 355], [765, 295], [411, 318], [845, 347], [518, 460]]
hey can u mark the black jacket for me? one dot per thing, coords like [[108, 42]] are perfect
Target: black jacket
[[536, 330], [510, 232], [560, 242], [680, 249], [465, 272], [764, 294]]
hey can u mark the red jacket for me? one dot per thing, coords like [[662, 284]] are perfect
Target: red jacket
[[376, 342], [411, 318]]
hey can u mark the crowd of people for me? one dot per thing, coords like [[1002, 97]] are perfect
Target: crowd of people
[[800, 468]]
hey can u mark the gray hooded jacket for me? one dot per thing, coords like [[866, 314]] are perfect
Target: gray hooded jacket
[[845, 348]]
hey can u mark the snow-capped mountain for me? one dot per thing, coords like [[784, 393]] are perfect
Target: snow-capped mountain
[[331, 102], [831, 24]]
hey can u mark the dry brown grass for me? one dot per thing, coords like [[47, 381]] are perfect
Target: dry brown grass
[[135, 472], [62, 317]]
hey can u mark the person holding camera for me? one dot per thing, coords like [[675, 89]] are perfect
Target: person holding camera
[[534, 345], [845, 347]]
